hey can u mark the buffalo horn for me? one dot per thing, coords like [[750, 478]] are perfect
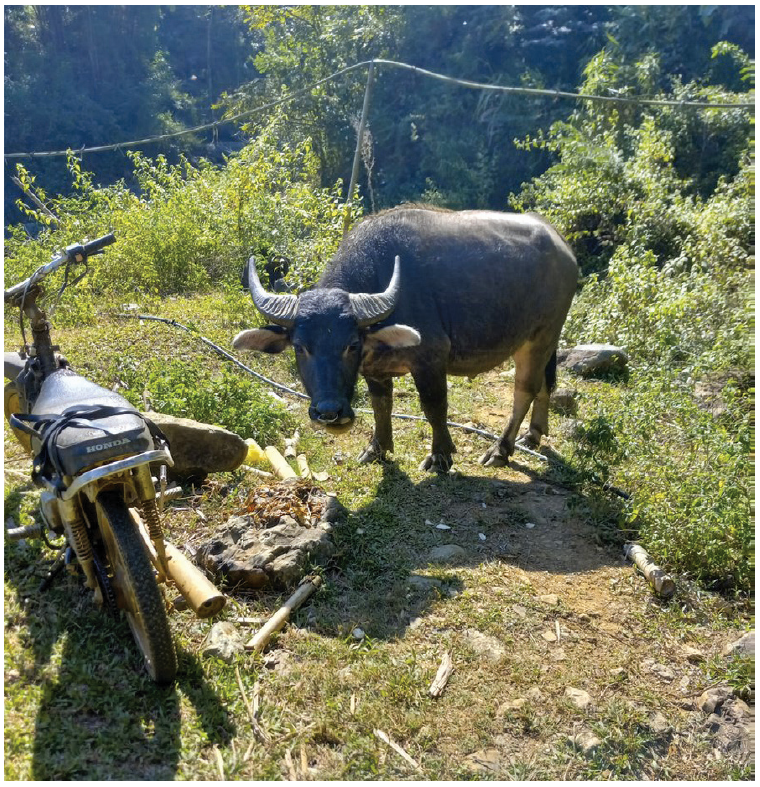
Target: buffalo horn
[[279, 309], [369, 309]]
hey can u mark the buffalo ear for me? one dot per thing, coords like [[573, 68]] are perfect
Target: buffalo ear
[[393, 336], [271, 339]]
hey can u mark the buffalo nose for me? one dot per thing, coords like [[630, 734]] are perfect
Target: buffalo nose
[[329, 413]]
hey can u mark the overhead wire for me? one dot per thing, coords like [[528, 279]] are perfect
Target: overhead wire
[[525, 91]]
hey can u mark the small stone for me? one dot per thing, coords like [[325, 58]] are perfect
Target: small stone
[[558, 654], [659, 724], [519, 610], [447, 553], [510, 706], [713, 699], [484, 645], [423, 583], [534, 694], [693, 656], [358, 633], [580, 698], [618, 673], [530, 525], [587, 359], [224, 642], [663, 672], [586, 741], [483, 761], [482, 536], [744, 646], [551, 599], [549, 636]]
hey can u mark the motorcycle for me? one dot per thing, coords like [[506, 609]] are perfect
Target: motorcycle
[[92, 454]]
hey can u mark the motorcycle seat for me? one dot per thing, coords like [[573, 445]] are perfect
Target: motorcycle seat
[[88, 434]]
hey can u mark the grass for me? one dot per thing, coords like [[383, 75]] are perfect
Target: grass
[[79, 706]]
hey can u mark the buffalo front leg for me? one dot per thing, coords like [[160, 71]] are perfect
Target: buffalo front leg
[[530, 387], [431, 386], [381, 396]]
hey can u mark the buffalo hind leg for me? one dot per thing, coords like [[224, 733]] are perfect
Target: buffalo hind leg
[[431, 386], [530, 388], [381, 396]]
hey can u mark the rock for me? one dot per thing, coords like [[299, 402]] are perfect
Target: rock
[[586, 741], [510, 706], [551, 599], [534, 694], [484, 645], [224, 642], [268, 547], [580, 698], [419, 582], [662, 671], [659, 724], [693, 656], [564, 401], [199, 449], [447, 553], [618, 673], [713, 699], [483, 761], [358, 633], [744, 646], [588, 359]]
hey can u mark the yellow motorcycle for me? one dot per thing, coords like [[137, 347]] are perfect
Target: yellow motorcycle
[[92, 455]]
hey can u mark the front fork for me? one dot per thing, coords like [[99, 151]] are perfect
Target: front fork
[[137, 479]]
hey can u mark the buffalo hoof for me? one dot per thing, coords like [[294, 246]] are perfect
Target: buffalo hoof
[[495, 456], [373, 454], [437, 463]]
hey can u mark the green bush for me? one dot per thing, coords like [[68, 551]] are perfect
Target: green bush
[[666, 244], [191, 226], [190, 390]]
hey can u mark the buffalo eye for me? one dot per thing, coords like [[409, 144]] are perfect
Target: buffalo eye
[[353, 348], [300, 349]]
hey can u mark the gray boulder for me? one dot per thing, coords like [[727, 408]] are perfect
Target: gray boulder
[[199, 449], [271, 548], [588, 359]]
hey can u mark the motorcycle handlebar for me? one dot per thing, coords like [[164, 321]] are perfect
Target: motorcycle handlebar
[[78, 252]]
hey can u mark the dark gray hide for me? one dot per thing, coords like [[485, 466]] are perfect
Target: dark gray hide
[[473, 289]]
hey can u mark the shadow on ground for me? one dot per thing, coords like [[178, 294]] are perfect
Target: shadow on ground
[[100, 717], [524, 520]]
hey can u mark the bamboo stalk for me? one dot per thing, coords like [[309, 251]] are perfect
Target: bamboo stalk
[[661, 582], [442, 676], [386, 739], [261, 639], [303, 466], [279, 463]]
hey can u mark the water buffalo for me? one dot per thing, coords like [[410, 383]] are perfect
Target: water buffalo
[[428, 292]]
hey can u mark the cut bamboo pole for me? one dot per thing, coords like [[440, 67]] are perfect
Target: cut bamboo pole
[[280, 618], [385, 738], [303, 466], [661, 582], [291, 445], [442, 676], [279, 463]]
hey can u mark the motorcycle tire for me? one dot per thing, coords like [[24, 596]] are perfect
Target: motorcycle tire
[[134, 582]]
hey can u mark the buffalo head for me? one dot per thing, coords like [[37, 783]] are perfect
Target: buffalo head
[[331, 332]]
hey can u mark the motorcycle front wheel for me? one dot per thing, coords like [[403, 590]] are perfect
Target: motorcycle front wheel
[[134, 583]]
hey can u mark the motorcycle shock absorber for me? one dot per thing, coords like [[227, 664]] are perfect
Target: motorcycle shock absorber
[[76, 532], [147, 496]]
